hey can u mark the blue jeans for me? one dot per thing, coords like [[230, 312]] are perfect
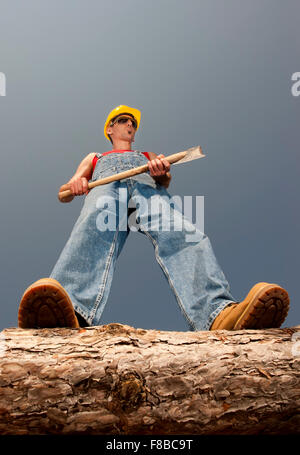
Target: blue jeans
[[86, 265]]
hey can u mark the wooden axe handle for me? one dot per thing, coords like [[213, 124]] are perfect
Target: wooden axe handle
[[122, 175]]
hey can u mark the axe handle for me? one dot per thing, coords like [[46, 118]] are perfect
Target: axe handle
[[122, 175]]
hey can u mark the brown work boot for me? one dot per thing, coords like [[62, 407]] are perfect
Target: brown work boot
[[46, 304], [266, 306]]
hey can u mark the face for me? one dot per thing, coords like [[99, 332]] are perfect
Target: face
[[122, 129]]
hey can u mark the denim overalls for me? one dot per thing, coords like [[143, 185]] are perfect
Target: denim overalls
[[86, 265]]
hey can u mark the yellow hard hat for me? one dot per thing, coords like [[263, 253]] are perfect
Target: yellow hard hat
[[122, 109]]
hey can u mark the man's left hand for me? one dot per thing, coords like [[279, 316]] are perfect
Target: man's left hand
[[159, 166]]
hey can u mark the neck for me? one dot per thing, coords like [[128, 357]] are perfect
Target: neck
[[120, 144]]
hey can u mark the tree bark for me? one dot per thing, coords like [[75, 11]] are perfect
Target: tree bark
[[115, 379]]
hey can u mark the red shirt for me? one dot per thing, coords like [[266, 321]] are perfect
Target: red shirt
[[95, 159]]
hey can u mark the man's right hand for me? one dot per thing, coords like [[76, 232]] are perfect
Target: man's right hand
[[78, 186]]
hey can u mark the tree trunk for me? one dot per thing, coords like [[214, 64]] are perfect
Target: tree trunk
[[115, 379]]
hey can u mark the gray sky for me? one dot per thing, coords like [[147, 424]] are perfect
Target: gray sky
[[214, 73]]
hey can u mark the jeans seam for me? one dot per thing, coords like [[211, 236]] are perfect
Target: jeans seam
[[80, 312], [159, 260]]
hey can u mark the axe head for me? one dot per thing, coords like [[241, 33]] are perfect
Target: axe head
[[191, 154]]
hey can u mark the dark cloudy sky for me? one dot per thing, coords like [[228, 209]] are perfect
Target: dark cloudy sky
[[209, 72]]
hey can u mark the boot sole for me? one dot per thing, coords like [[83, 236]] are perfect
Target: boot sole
[[267, 308], [46, 304]]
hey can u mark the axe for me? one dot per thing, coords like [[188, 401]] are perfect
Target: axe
[[177, 158]]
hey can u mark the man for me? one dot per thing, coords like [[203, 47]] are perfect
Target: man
[[77, 290]]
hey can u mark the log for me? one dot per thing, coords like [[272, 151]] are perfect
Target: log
[[116, 379]]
